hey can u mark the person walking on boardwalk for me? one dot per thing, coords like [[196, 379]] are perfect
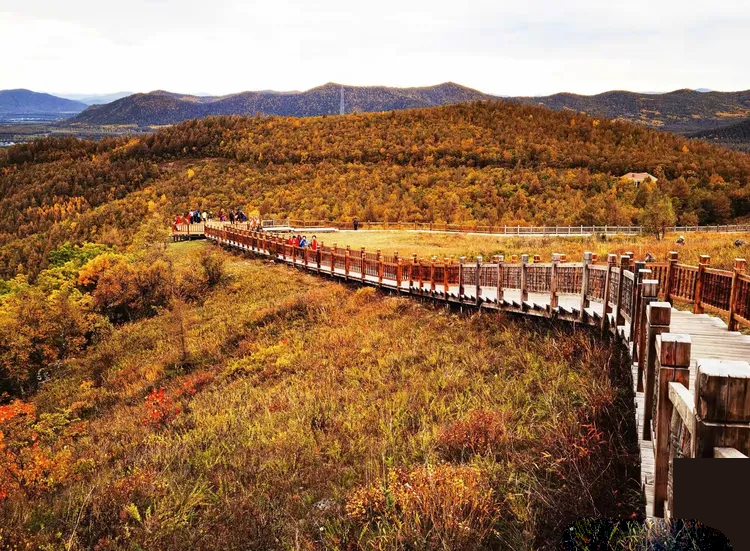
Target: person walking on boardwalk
[[314, 243], [303, 242], [356, 224]]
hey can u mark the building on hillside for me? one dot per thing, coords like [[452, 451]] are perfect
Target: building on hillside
[[638, 177]]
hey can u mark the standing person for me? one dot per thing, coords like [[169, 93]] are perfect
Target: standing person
[[205, 217], [356, 224], [231, 217], [303, 242], [314, 243]]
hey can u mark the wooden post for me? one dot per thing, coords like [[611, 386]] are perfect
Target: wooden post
[[700, 277], [658, 318], [411, 272], [553, 299], [611, 261], [524, 292], [673, 258], [399, 269], [446, 286], [722, 407], [673, 357], [585, 269], [362, 263], [317, 256], [421, 277], [432, 274], [478, 280], [740, 265], [380, 269], [624, 265], [498, 259], [639, 265], [333, 259], [639, 316], [304, 253], [347, 260], [461, 262]]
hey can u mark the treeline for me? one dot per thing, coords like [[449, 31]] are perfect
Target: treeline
[[490, 162]]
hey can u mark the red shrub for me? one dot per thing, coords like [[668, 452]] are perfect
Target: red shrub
[[161, 409]]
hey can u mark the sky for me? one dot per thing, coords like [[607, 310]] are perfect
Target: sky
[[519, 47]]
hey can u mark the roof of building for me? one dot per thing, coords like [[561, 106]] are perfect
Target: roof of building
[[638, 176]]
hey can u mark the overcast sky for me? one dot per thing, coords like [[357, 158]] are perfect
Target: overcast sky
[[519, 47]]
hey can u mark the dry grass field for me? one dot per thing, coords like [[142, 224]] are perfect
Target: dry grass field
[[720, 246]]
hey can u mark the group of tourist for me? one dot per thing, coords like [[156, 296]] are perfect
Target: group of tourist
[[301, 241]]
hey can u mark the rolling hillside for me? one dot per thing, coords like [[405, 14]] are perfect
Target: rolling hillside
[[736, 136], [160, 108], [490, 162], [30, 103], [681, 111]]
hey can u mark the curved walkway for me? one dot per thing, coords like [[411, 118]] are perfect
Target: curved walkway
[[674, 352]]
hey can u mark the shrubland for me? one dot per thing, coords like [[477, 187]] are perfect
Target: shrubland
[[257, 407]]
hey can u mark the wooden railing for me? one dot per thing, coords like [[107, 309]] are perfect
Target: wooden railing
[[620, 297], [504, 229], [724, 292]]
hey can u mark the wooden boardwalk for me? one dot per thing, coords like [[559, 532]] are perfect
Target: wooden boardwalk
[[621, 299]]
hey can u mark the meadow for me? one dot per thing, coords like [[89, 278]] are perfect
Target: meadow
[[276, 410], [720, 246]]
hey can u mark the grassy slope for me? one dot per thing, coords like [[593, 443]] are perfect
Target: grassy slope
[[313, 394]]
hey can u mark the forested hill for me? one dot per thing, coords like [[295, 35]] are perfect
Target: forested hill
[[735, 135], [681, 111], [160, 108], [493, 162]]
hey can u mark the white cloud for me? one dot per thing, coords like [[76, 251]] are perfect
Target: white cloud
[[503, 47]]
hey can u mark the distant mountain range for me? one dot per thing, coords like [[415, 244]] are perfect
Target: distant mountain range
[[26, 102], [691, 112], [160, 107], [681, 111]]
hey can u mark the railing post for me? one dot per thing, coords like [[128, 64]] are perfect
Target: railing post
[[637, 276], [317, 256], [478, 280], [380, 269], [740, 265], [305, 254], [334, 250], [399, 274], [446, 285], [347, 260], [461, 262], [698, 296], [524, 292], [658, 318], [638, 318], [672, 262], [673, 359], [553, 299], [432, 274], [421, 276], [611, 262], [624, 265], [586, 267], [411, 271], [362, 263], [498, 259], [294, 254], [722, 409]]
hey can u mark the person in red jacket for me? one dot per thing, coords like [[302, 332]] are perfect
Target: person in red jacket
[[314, 243]]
